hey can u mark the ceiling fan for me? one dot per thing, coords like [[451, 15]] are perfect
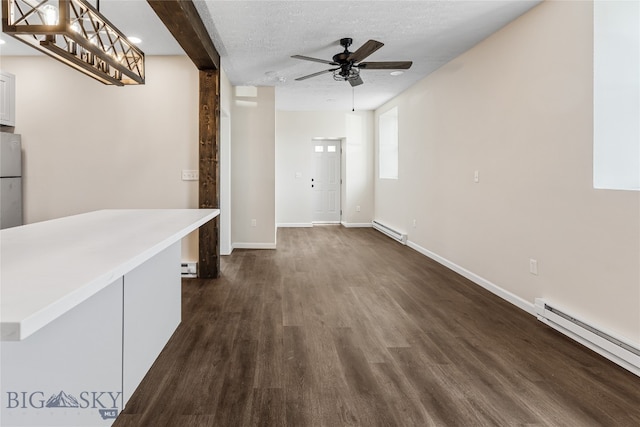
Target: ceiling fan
[[348, 64]]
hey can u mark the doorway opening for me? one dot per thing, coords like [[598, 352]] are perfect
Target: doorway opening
[[326, 181]]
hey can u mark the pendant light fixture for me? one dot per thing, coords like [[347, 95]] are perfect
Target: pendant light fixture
[[75, 33]]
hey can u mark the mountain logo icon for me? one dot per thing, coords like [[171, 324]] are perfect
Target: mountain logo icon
[[62, 400]]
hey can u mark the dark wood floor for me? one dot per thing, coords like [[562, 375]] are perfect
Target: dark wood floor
[[345, 327]]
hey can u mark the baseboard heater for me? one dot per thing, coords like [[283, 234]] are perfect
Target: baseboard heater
[[395, 235], [189, 269], [615, 349]]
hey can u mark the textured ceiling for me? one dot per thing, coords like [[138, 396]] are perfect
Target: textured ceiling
[[257, 38]]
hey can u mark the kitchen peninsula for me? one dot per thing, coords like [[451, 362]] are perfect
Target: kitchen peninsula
[[87, 304]]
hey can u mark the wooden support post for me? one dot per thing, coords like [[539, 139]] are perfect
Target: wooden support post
[[183, 20], [209, 187]]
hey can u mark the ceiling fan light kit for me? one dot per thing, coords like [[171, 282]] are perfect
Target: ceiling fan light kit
[[348, 75], [77, 34], [348, 64]]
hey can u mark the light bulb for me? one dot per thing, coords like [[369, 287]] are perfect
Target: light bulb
[[50, 14]]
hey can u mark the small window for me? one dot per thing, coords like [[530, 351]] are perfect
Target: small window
[[388, 144], [331, 149], [319, 148], [616, 95]]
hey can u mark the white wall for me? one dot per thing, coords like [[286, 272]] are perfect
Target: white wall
[[88, 146], [294, 133], [253, 168], [358, 155], [226, 219], [518, 108]]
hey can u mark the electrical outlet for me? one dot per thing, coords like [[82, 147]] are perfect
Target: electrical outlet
[[253, 223], [189, 269], [533, 266], [190, 175], [358, 208], [415, 223]]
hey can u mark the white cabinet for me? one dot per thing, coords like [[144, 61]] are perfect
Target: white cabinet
[[76, 342], [152, 310], [82, 368], [7, 99], [68, 373]]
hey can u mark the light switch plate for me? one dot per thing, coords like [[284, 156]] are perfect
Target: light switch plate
[[190, 175]]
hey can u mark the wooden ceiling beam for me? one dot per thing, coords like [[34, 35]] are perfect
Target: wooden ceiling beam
[[183, 21]]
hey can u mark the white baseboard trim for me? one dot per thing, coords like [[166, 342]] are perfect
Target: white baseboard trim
[[295, 225], [491, 287], [254, 246], [356, 224]]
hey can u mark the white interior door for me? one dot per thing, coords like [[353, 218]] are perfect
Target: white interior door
[[325, 181]]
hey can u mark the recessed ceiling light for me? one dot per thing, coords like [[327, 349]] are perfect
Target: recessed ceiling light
[[397, 73], [134, 40]]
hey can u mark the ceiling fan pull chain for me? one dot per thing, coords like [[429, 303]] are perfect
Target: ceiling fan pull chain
[[353, 98]]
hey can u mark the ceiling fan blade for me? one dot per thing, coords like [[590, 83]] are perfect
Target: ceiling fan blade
[[315, 74], [308, 58], [365, 50], [398, 65], [356, 82]]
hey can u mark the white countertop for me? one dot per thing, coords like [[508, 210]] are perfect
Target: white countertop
[[49, 267]]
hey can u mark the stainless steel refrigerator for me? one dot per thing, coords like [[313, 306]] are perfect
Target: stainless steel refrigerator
[[11, 180]]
